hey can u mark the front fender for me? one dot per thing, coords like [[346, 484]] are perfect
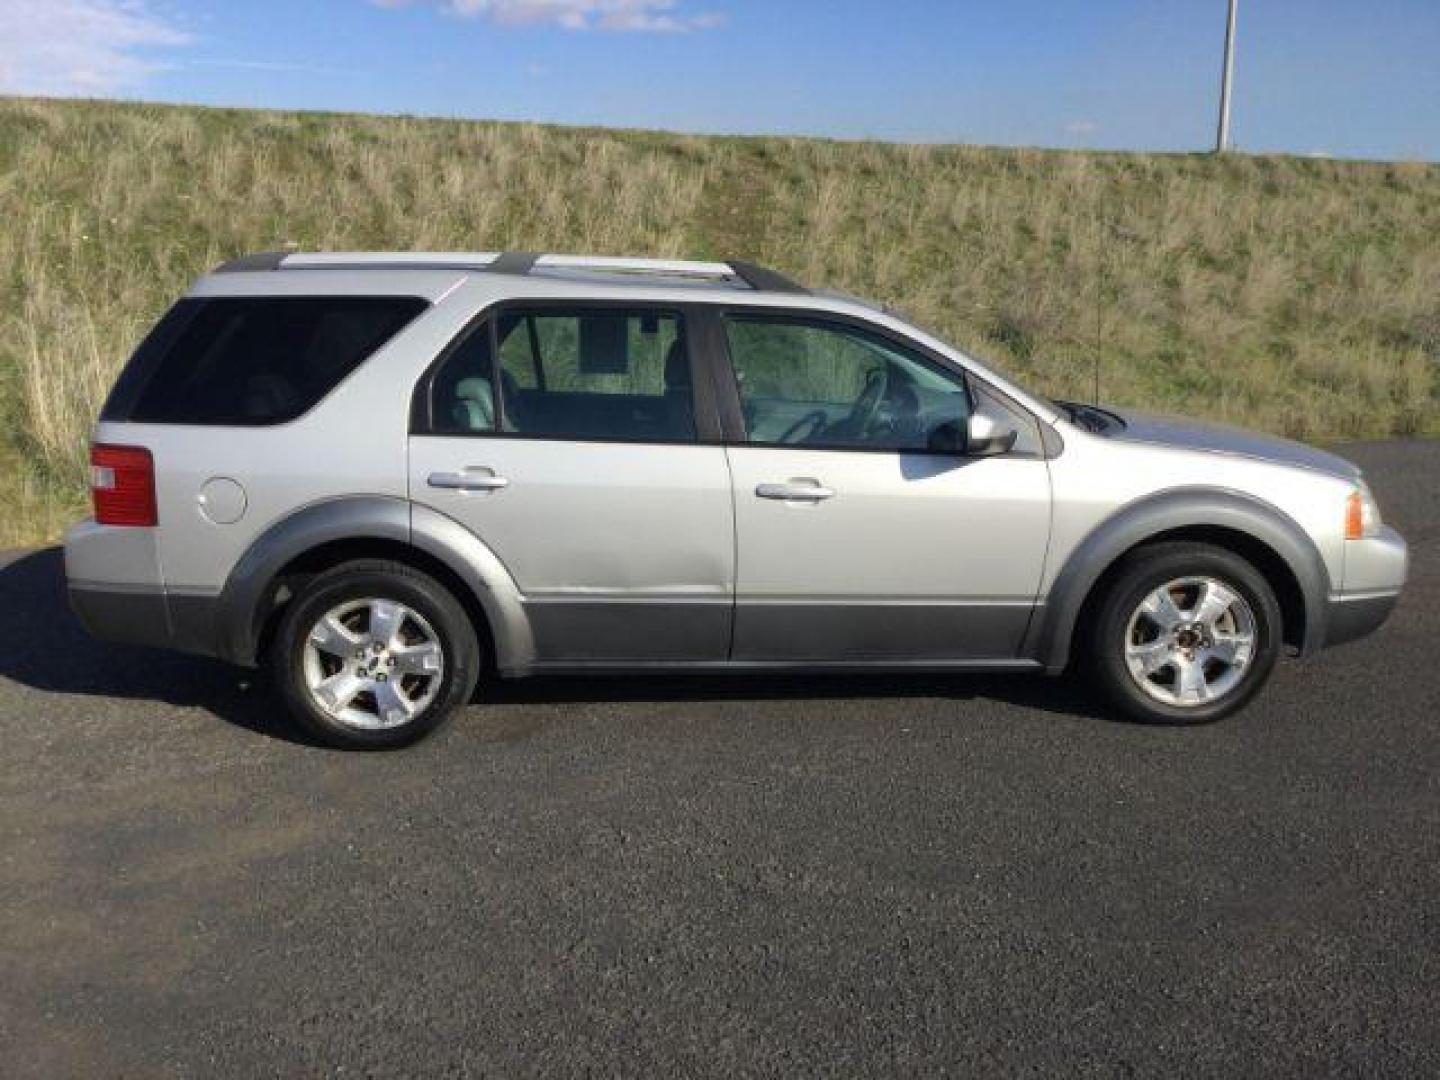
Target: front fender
[[1053, 629]]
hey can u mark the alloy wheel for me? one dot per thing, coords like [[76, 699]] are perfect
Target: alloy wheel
[[373, 664], [1190, 642]]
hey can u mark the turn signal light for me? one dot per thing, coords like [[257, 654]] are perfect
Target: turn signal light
[[1355, 516], [122, 485]]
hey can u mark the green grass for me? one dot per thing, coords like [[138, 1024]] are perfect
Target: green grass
[[1296, 295]]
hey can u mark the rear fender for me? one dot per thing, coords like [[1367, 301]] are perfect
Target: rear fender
[[247, 597]]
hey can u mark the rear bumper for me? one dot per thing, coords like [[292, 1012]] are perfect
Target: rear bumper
[[137, 616], [115, 588], [124, 616]]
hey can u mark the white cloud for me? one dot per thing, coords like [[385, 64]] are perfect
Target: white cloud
[[1081, 127], [69, 47], [632, 16]]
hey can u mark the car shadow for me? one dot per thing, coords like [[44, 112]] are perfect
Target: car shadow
[[42, 646]]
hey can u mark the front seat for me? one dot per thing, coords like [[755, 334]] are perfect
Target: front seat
[[679, 391]]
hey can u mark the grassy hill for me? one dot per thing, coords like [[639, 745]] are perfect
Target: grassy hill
[[1297, 295]]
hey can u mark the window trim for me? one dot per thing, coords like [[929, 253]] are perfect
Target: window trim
[[704, 405], [731, 401]]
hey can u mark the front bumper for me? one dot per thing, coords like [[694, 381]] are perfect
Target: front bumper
[[1375, 570], [1350, 617]]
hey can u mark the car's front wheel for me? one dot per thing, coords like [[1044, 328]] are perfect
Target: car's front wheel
[[374, 654], [1185, 633]]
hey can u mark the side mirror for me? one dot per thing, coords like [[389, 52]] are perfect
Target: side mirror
[[990, 431]]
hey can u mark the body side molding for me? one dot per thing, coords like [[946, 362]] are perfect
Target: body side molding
[[1051, 633]]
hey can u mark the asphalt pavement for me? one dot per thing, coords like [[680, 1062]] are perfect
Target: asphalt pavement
[[779, 876]]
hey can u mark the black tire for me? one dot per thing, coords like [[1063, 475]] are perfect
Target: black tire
[[382, 580], [1142, 573]]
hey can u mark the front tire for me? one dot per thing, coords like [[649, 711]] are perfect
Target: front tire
[[373, 654], [1185, 634]]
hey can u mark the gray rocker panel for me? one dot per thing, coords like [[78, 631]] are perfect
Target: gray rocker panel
[[913, 632]]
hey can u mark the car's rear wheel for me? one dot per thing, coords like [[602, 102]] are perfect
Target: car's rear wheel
[[374, 654], [1185, 633]]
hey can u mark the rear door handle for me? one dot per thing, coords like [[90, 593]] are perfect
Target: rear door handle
[[796, 490], [468, 480]]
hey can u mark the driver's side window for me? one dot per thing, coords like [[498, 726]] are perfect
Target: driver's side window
[[805, 382]]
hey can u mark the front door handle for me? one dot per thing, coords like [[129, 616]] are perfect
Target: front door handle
[[796, 490], [468, 480]]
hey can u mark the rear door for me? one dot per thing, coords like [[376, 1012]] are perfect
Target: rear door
[[570, 439], [860, 537]]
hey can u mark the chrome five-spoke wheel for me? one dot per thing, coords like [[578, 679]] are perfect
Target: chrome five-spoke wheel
[[1190, 641], [373, 664]]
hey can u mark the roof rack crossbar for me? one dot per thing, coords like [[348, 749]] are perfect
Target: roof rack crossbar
[[763, 279], [513, 262]]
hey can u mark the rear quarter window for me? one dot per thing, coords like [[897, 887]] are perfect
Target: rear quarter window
[[253, 361]]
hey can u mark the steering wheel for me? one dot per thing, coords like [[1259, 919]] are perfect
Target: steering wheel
[[877, 382], [812, 423]]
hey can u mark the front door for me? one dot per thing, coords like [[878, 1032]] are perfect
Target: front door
[[860, 537], [567, 440]]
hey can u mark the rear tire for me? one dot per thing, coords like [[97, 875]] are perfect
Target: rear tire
[[1185, 634], [373, 654]]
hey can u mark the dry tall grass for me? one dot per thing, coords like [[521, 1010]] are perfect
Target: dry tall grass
[[1301, 296]]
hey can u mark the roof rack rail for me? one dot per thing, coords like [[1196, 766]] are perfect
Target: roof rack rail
[[758, 278]]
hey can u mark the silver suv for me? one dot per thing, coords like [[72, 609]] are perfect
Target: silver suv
[[388, 475]]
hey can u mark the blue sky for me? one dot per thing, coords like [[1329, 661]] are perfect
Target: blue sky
[[1343, 77]]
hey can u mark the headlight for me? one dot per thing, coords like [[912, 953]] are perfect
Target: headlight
[[1362, 513]]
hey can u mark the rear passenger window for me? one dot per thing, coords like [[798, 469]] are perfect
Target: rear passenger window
[[598, 374], [255, 361]]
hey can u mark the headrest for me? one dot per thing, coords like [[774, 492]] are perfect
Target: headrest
[[474, 389], [475, 404]]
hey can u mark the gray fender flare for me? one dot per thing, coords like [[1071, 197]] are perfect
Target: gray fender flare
[[243, 601], [1053, 629]]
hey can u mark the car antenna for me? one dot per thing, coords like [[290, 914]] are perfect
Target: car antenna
[[1099, 335], [1102, 278]]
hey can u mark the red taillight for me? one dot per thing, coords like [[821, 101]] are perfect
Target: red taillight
[[122, 484]]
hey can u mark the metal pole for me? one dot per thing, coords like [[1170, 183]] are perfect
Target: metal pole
[[1222, 141]]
